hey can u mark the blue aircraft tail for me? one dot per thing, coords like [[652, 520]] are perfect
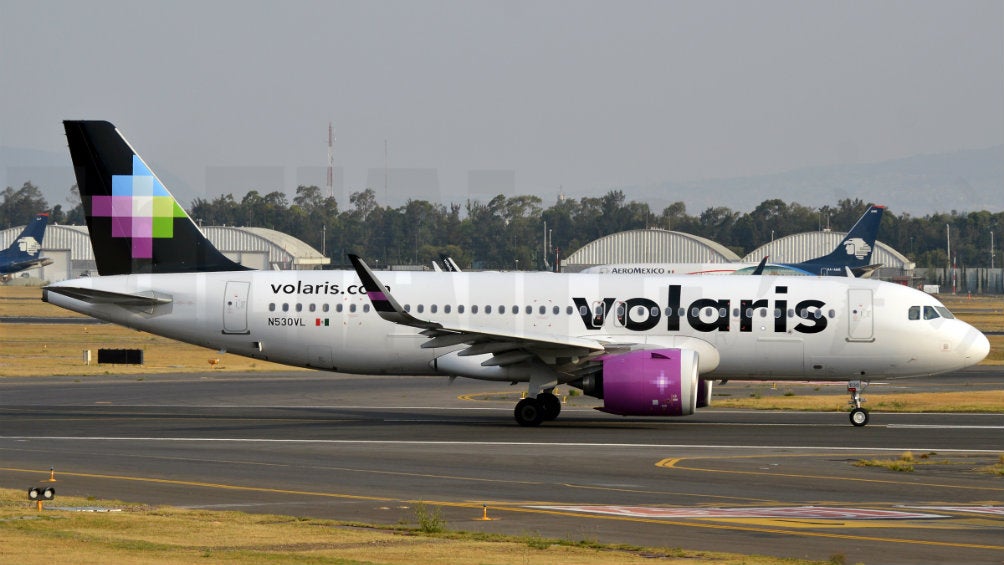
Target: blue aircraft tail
[[854, 251], [23, 253], [135, 224]]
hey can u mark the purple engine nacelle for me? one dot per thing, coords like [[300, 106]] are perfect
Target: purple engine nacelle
[[654, 382]]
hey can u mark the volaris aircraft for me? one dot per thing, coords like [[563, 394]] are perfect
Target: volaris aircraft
[[851, 256], [24, 252], [647, 346]]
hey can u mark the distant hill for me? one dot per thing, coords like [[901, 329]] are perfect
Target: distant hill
[[923, 184], [51, 172]]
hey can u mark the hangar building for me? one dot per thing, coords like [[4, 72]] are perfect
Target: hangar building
[[661, 246], [258, 248], [648, 246]]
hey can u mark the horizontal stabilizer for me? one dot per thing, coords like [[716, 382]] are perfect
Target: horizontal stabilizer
[[145, 299]]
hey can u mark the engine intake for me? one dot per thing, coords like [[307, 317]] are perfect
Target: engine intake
[[655, 382]]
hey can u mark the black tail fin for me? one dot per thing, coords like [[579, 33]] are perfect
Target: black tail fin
[[854, 251], [135, 225], [23, 252]]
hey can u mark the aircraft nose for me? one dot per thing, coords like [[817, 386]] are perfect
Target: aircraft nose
[[974, 346]]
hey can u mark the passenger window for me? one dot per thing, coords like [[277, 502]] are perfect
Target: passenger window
[[338, 308], [352, 307], [474, 309], [433, 308], [312, 307], [832, 314], [488, 309], [778, 313], [366, 307], [299, 307], [914, 313], [763, 312], [460, 308], [502, 309], [542, 309], [583, 311], [568, 310], [723, 313], [654, 312], [271, 307], [421, 308], [285, 307], [515, 309], [325, 307], [556, 310], [446, 309]]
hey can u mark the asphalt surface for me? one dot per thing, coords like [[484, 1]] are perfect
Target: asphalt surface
[[370, 448]]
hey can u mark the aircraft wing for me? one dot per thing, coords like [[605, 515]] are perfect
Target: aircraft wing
[[867, 271], [507, 347]]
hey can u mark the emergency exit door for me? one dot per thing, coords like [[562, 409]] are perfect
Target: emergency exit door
[[860, 323], [235, 308]]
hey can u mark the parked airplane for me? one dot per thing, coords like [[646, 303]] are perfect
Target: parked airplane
[[853, 253], [23, 253], [648, 346]]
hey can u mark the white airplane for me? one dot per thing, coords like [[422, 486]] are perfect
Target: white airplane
[[648, 346]]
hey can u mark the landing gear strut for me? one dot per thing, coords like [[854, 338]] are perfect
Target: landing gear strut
[[859, 416]]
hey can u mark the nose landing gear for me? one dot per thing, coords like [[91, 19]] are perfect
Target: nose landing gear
[[859, 416]]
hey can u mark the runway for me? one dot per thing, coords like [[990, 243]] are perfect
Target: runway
[[369, 448]]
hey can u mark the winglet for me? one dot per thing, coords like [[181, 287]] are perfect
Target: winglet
[[759, 268], [383, 301]]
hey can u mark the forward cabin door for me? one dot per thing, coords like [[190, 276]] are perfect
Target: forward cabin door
[[235, 308], [860, 322]]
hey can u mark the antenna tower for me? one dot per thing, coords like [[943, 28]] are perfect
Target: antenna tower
[[331, 160]]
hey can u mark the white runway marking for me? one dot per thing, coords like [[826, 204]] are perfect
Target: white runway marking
[[787, 512], [775, 448]]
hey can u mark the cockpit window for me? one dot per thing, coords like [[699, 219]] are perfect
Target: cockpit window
[[945, 312], [915, 312], [930, 313]]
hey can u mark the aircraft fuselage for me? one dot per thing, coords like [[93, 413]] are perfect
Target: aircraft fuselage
[[764, 327]]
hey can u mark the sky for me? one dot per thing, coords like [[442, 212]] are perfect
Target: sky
[[461, 99]]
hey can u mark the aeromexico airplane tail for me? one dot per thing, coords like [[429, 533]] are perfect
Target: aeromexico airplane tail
[[24, 252], [854, 252], [135, 225]]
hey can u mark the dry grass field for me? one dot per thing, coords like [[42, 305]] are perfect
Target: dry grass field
[[57, 349], [141, 534]]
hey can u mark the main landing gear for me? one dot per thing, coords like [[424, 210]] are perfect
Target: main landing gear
[[859, 416], [532, 411]]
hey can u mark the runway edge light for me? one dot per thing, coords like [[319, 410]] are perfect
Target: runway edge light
[[39, 495]]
